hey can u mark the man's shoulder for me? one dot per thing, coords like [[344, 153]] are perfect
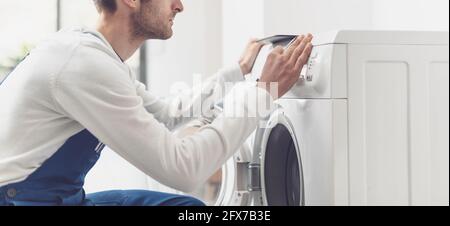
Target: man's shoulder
[[68, 41], [91, 59], [81, 47]]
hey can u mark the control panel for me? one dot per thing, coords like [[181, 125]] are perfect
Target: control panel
[[315, 77]]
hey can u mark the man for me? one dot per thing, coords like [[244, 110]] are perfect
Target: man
[[73, 95]]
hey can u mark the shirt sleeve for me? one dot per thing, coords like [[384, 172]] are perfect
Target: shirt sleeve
[[177, 110], [105, 101]]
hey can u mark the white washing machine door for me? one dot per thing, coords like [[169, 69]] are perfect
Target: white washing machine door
[[230, 185], [235, 186], [278, 159], [227, 187]]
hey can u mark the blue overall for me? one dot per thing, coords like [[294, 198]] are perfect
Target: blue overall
[[60, 180]]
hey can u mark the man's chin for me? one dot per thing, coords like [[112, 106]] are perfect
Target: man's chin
[[164, 36], [161, 35], [169, 34]]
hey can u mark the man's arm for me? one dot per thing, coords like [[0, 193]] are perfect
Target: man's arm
[[178, 110], [175, 111], [106, 103]]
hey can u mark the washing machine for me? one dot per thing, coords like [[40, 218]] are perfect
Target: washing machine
[[366, 124], [299, 153]]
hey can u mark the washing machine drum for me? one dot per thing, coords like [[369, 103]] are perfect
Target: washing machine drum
[[281, 166]]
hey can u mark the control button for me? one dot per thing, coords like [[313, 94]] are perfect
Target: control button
[[11, 193], [303, 73], [302, 77], [309, 77]]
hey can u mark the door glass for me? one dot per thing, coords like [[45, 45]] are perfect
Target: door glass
[[282, 170]]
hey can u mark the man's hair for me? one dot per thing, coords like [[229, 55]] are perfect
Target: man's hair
[[108, 5]]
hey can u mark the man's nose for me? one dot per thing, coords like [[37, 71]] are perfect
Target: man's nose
[[178, 6]]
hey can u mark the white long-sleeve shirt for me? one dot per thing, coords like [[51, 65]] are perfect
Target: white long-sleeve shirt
[[75, 81]]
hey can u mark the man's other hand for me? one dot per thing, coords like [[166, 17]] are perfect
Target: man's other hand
[[249, 56]]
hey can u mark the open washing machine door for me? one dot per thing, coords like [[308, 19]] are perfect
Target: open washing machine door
[[266, 171], [277, 164], [235, 186], [228, 187]]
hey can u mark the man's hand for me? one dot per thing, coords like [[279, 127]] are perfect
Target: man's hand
[[283, 66], [248, 58]]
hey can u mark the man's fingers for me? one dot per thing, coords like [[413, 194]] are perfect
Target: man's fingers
[[258, 45], [300, 48], [303, 59], [289, 51], [254, 46], [252, 41], [298, 52], [278, 50]]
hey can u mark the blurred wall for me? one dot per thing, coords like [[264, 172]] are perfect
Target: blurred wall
[[243, 19], [302, 16], [411, 14]]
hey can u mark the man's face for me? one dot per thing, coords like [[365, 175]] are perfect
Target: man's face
[[155, 18]]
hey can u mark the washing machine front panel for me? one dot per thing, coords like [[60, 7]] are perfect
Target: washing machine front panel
[[324, 77], [312, 126]]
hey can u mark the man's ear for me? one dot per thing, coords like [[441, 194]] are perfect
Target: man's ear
[[132, 4]]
